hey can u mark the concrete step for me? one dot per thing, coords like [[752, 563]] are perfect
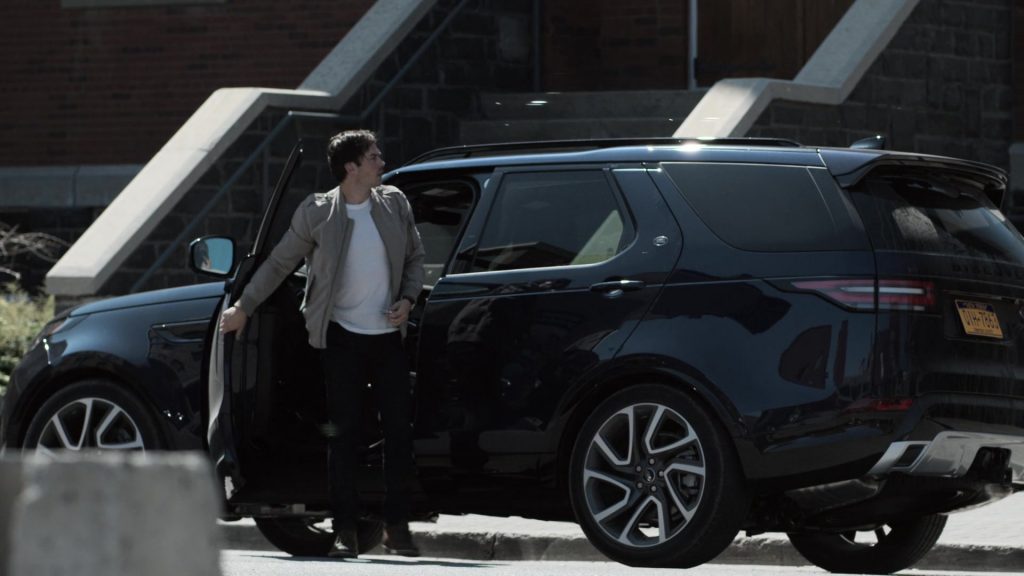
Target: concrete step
[[489, 131], [675, 104]]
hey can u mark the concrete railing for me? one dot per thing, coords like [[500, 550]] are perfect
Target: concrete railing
[[194, 148], [153, 514], [732, 106]]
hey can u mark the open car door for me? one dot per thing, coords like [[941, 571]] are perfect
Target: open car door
[[226, 424]]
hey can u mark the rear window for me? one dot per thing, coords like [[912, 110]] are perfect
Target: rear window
[[937, 216], [766, 208]]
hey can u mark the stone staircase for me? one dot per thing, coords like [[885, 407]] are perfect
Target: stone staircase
[[574, 115]]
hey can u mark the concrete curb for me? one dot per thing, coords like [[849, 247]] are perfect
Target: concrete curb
[[759, 550]]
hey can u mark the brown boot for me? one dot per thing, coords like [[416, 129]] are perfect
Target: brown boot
[[398, 540]]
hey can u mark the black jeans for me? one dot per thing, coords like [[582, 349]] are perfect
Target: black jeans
[[350, 361]]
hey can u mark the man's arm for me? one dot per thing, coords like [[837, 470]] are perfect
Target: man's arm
[[412, 273], [295, 245]]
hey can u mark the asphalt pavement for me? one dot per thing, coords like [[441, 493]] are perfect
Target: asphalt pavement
[[990, 538]]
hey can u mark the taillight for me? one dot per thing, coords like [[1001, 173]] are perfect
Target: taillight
[[916, 295], [863, 293]]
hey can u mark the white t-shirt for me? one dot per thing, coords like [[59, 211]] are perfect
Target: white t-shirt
[[363, 296]]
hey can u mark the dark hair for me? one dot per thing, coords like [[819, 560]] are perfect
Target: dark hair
[[348, 146]]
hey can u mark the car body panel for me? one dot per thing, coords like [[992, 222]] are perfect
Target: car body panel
[[499, 350], [161, 363]]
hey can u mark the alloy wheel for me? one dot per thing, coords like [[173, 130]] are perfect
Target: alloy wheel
[[644, 475], [90, 425]]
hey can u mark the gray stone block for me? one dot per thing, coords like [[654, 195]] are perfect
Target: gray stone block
[[107, 514]]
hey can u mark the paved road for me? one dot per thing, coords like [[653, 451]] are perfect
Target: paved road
[[989, 538], [256, 563]]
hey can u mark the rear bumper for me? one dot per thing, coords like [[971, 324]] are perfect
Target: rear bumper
[[934, 468], [949, 455]]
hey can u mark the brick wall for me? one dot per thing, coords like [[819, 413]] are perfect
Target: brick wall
[[942, 86], [111, 85], [615, 45]]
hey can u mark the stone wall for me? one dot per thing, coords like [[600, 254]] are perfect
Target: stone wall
[[487, 47], [942, 86]]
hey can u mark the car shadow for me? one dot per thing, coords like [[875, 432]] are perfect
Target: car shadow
[[370, 559]]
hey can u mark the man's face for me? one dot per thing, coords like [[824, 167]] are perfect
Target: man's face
[[369, 169]]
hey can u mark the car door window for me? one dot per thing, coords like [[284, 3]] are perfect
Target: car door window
[[441, 210], [543, 219]]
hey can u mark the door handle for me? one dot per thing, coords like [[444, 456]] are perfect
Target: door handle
[[615, 288]]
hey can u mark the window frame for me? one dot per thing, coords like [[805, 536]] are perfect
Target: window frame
[[475, 189], [847, 231], [467, 252]]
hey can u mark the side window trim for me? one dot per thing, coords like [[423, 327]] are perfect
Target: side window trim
[[465, 250], [463, 181]]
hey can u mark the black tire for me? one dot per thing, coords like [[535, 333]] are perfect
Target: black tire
[[693, 495], [302, 536], [899, 545], [94, 415]]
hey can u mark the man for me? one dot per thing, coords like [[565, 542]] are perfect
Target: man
[[365, 271]]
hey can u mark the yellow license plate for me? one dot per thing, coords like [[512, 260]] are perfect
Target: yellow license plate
[[979, 319]]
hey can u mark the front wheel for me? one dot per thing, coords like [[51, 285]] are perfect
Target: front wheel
[[654, 479], [884, 550], [93, 415], [305, 537]]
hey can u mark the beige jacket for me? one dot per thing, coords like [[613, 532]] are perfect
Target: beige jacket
[[320, 232]]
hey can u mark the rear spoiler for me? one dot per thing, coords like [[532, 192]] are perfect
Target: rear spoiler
[[851, 166]]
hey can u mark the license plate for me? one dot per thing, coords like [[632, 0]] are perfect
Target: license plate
[[979, 319]]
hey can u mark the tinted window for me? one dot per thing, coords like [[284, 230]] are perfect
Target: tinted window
[[542, 219], [936, 216], [769, 208], [441, 210]]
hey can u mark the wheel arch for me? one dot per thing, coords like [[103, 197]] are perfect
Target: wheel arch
[[634, 371], [58, 381]]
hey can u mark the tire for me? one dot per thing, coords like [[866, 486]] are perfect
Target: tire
[[897, 546], [303, 537], [654, 480], [93, 415]]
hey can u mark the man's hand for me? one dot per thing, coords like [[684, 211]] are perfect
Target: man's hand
[[233, 320], [399, 312]]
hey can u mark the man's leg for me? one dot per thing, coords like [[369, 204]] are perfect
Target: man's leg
[[345, 375], [394, 401]]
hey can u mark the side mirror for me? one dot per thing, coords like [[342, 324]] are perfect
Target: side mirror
[[212, 255]]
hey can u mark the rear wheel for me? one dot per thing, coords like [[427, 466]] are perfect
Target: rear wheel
[[306, 536], [886, 549], [654, 480]]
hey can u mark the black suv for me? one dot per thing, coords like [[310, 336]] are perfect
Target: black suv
[[668, 341]]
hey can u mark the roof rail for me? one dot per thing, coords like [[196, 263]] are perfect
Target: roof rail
[[542, 146]]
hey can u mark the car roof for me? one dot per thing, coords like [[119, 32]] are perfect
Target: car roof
[[848, 165]]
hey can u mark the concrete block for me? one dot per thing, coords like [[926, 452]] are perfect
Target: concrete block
[[109, 514], [10, 487]]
